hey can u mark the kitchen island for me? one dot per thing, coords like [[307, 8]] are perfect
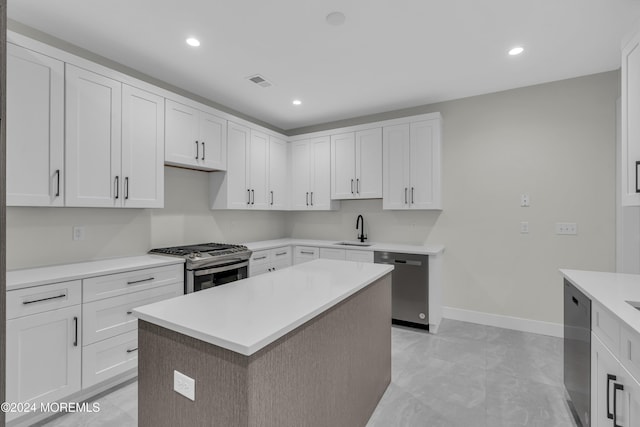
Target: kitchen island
[[308, 345]]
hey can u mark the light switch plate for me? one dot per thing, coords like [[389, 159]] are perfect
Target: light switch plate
[[524, 201], [78, 233], [184, 385], [567, 228], [524, 227]]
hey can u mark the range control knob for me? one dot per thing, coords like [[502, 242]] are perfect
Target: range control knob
[[194, 255], [422, 316]]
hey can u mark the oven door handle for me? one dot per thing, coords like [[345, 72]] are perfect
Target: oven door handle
[[220, 269]]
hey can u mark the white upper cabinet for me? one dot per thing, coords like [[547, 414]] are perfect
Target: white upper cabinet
[[356, 165], [35, 129], [142, 148], [114, 143], [311, 175], [247, 182], [195, 138], [412, 165], [278, 196], [93, 139], [630, 162]]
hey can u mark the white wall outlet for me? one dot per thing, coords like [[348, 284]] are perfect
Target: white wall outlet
[[567, 228], [524, 200], [524, 227], [78, 233], [184, 385]]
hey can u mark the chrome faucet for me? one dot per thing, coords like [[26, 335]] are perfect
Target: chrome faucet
[[360, 222]]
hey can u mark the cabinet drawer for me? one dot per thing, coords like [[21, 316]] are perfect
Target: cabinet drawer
[[359, 256], [112, 316], [330, 253], [305, 253], [630, 350], [280, 254], [606, 326], [38, 299], [260, 257], [113, 356], [96, 288]]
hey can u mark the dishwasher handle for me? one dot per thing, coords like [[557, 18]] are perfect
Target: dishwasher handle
[[402, 262]]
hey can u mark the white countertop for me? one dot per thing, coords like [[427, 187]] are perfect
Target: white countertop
[[612, 290], [388, 247], [17, 279], [249, 314]]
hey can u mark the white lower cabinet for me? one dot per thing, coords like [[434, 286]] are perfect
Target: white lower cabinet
[[105, 359], [359, 256], [269, 260], [615, 393], [43, 344], [304, 254]]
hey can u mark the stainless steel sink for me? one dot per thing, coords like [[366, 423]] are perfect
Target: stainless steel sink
[[352, 244], [634, 304]]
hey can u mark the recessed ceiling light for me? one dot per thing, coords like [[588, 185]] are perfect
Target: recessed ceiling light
[[335, 18], [297, 102], [516, 50], [192, 41]]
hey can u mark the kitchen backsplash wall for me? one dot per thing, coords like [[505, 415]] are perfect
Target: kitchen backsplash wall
[[555, 142], [43, 236]]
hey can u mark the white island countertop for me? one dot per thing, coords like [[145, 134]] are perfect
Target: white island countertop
[[373, 246], [249, 314], [611, 290]]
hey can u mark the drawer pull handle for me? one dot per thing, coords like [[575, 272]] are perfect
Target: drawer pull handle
[[281, 253], [43, 299], [132, 350], [575, 300], [306, 252], [129, 313], [259, 258], [140, 281]]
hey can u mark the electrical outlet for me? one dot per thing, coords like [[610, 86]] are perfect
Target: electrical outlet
[[566, 228], [78, 233], [184, 385], [524, 227], [524, 200]]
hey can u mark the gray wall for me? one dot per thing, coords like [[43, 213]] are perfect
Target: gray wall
[[555, 142]]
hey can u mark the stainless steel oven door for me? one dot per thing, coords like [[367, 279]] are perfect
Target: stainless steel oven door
[[209, 277]]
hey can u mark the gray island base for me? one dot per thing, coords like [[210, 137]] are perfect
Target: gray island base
[[330, 371]]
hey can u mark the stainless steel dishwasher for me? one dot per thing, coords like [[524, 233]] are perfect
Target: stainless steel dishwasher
[[409, 287], [577, 352]]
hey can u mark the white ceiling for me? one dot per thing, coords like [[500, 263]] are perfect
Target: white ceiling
[[389, 54]]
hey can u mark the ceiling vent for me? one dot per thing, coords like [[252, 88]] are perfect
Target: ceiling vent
[[260, 80]]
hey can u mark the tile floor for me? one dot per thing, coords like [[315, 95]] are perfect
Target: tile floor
[[466, 376]]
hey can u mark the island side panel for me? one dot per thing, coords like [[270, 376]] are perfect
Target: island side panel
[[332, 371], [220, 377]]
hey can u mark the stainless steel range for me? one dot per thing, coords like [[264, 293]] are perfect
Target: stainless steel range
[[210, 264]]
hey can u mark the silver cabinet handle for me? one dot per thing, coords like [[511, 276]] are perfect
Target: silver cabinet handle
[[307, 252], [259, 258], [58, 183], [312, 198], [132, 350], [253, 197], [126, 188], [358, 185], [412, 202], [307, 197], [405, 195], [141, 281], [248, 196], [43, 299], [197, 150], [129, 313], [281, 253], [203, 152], [117, 185], [271, 197], [351, 186]]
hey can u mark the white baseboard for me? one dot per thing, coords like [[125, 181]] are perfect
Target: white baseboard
[[507, 322]]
